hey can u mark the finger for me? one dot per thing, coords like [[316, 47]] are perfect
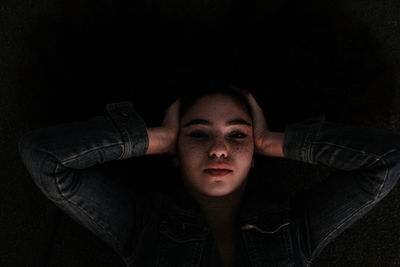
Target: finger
[[242, 91], [252, 100], [258, 114], [172, 112], [175, 104], [173, 108]]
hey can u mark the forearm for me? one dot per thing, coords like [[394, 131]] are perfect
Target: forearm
[[273, 146], [370, 155], [82, 144], [341, 146], [157, 141]]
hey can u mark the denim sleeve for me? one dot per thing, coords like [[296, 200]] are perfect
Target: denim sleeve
[[366, 163], [82, 144], [62, 162]]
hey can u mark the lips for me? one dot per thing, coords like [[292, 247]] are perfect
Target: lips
[[218, 169], [217, 172], [218, 166]]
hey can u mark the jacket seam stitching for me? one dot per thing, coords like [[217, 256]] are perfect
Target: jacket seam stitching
[[88, 151], [376, 156], [97, 225], [127, 146], [309, 142], [367, 203], [378, 195], [342, 222]]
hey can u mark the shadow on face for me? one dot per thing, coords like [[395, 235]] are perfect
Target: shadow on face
[[215, 130]]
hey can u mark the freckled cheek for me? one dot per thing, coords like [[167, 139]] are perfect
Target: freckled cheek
[[245, 148], [242, 150]]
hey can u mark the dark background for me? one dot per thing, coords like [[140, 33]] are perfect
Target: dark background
[[64, 60]]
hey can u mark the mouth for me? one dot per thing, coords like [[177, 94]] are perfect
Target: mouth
[[217, 172]]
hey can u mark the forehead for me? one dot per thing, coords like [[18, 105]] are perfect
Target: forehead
[[216, 107]]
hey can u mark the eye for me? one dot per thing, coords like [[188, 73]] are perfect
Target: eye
[[197, 134], [238, 135], [235, 135]]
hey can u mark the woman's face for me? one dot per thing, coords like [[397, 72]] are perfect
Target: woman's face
[[215, 130]]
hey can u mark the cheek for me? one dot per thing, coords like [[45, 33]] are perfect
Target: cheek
[[242, 155], [189, 153], [186, 146], [197, 149], [242, 149]]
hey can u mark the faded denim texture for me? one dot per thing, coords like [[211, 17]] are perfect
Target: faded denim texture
[[164, 230]]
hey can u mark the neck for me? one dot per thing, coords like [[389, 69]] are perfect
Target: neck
[[220, 211]]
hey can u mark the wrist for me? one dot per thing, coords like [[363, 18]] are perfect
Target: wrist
[[273, 145], [158, 140]]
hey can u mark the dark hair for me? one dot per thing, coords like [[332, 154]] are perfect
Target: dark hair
[[189, 98]]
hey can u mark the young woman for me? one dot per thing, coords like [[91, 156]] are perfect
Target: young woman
[[219, 216]]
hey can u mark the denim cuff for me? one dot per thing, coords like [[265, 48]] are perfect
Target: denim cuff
[[132, 127], [299, 137]]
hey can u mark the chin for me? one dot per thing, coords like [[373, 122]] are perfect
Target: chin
[[217, 189]]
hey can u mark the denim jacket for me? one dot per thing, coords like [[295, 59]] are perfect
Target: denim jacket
[[164, 230]]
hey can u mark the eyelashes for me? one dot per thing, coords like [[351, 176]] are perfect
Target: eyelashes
[[234, 135]]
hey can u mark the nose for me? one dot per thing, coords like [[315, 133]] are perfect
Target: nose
[[218, 149]]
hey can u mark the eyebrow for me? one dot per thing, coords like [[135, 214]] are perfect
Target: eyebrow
[[236, 121]]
